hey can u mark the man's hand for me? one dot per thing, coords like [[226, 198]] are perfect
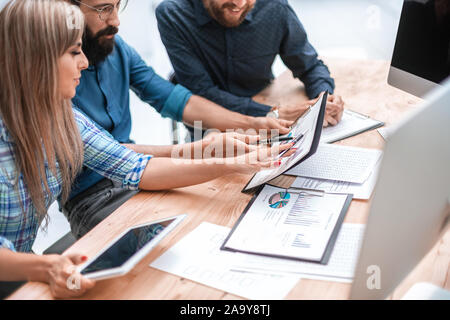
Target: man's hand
[[269, 124], [293, 112], [334, 110]]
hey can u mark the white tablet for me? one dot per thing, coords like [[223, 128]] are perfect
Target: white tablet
[[127, 249]]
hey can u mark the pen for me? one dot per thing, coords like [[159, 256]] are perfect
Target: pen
[[276, 139], [318, 193]]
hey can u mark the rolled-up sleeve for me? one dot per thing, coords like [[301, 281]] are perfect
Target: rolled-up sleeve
[[178, 97], [6, 244], [107, 157]]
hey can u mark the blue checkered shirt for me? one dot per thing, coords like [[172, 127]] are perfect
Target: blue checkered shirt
[[102, 154]]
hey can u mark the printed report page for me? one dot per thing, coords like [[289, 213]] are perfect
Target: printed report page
[[297, 225]]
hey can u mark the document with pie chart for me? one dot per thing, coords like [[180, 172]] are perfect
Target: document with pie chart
[[295, 224]]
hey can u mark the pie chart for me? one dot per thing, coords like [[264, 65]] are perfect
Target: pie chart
[[279, 200]]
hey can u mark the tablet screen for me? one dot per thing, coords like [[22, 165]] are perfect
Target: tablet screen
[[126, 247]]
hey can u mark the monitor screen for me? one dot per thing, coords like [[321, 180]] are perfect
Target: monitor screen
[[423, 39]]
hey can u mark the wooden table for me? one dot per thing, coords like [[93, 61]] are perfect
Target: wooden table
[[363, 86]]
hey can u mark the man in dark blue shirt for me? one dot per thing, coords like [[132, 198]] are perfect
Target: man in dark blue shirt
[[223, 50], [103, 95]]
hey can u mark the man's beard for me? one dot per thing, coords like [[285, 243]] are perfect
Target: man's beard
[[96, 48], [219, 14]]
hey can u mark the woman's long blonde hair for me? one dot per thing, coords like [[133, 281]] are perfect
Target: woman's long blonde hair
[[34, 34]]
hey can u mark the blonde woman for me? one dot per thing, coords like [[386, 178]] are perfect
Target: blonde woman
[[44, 141]]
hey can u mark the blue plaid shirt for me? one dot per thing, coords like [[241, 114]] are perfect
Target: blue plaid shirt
[[101, 153]]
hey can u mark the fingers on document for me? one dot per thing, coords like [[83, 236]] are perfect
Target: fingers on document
[[284, 126], [329, 120]]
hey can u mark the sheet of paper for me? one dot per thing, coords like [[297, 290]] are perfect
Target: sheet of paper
[[341, 266], [426, 291], [351, 123], [386, 132], [198, 257], [339, 163], [361, 191], [306, 127], [288, 224]]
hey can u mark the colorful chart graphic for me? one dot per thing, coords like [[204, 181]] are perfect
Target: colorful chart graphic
[[279, 200]]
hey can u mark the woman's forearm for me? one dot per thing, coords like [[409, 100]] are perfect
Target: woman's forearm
[[167, 173], [155, 151], [186, 151], [15, 266]]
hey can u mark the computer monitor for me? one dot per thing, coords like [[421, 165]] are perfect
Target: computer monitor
[[421, 58], [410, 207]]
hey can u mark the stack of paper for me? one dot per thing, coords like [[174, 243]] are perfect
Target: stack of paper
[[341, 266], [341, 163], [339, 169], [352, 123], [386, 132], [198, 257]]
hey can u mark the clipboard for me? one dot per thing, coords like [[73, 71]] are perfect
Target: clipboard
[[375, 125], [312, 148], [331, 240]]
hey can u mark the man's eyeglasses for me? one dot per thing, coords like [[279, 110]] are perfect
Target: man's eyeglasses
[[106, 11]]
